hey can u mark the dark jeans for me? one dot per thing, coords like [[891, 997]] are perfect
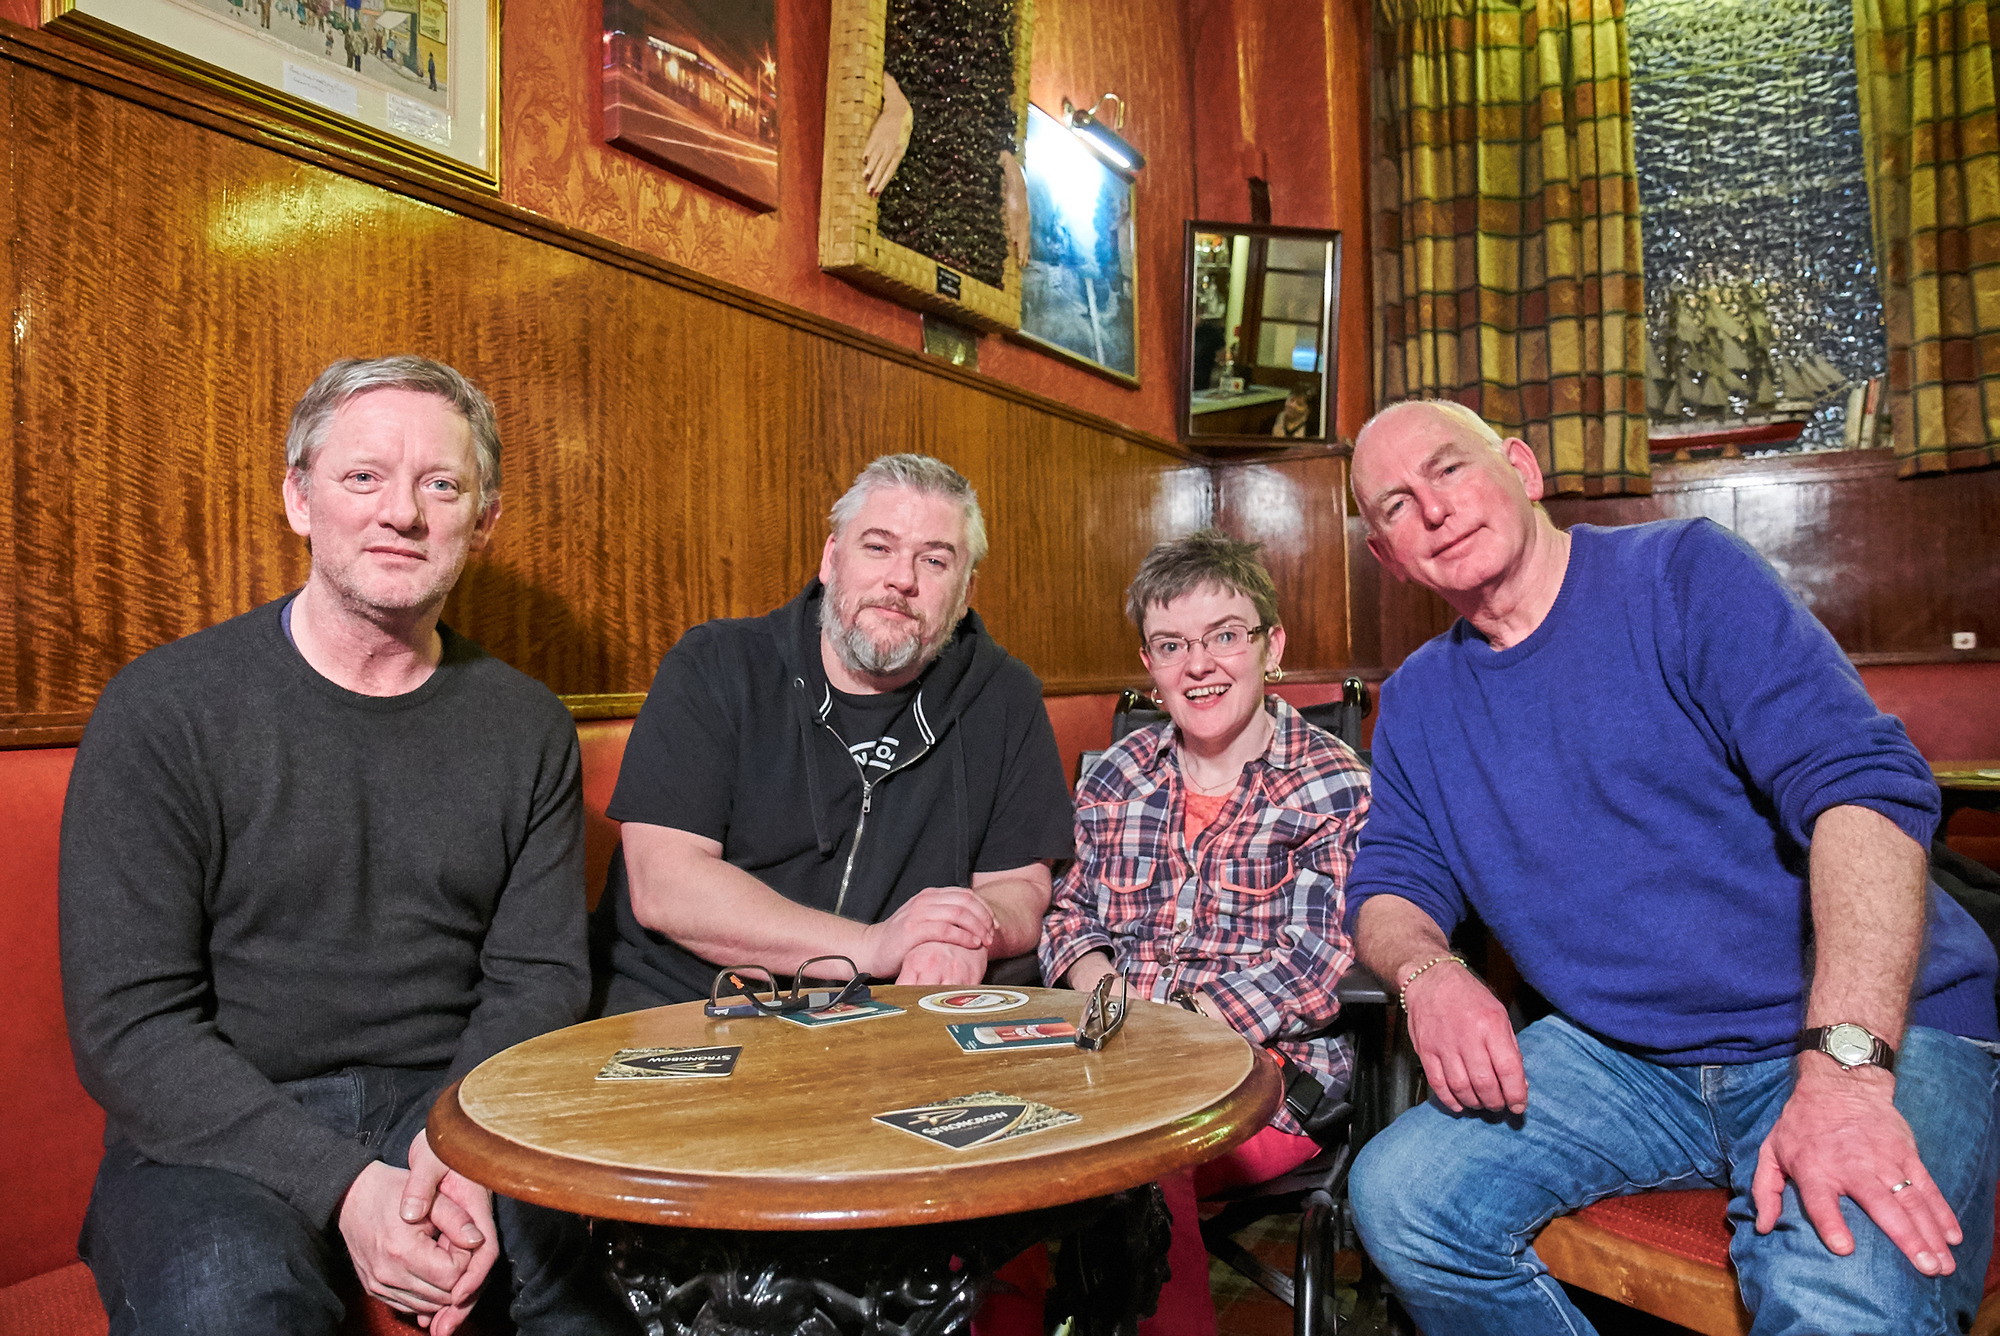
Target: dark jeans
[[177, 1248]]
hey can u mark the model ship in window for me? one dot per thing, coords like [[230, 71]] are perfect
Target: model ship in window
[[1716, 363]]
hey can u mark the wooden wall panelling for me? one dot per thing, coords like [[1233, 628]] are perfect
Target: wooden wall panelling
[[1298, 510], [557, 164], [1892, 567], [671, 449], [15, 480]]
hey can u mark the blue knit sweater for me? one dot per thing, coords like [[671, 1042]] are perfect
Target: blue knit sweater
[[1626, 798]]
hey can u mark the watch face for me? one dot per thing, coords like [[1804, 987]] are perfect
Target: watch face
[[1849, 1045]]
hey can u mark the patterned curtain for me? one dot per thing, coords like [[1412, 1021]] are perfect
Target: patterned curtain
[[1508, 265], [1928, 134]]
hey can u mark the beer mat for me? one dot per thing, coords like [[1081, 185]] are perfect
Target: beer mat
[[840, 1015], [989, 1037], [654, 1064], [973, 1001], [978, 1119]]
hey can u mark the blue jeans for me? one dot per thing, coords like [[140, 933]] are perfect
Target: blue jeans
[[1447, 1204], [178, 1248]]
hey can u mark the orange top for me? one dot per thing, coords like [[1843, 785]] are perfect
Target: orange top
[[1201, 810]]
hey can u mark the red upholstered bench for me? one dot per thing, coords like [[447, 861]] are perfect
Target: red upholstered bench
[[52, 1135], [1667, 1254]]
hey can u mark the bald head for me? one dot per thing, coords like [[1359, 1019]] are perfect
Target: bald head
[[1450, 505], [1438, 421]]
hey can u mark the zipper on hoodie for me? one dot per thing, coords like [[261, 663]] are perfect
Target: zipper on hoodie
[[868, 785]]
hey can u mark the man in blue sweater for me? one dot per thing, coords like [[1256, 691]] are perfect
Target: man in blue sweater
[[1659, 782]]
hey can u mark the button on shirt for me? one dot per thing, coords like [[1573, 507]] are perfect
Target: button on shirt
[[1248, 913]]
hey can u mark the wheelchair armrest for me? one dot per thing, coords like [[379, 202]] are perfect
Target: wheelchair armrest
[[1360, 988], [1023, 971]]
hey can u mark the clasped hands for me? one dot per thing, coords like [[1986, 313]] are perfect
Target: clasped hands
[[422, 1239], [941, 935], [1839, 1134]]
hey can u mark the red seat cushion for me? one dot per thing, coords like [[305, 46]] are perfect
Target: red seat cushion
[[1695, 1225], [62, 1302], [602, 742], [53, 1134], [1692, 1224]]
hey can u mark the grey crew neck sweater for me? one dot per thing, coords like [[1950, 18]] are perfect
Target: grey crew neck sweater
[[268, 877]]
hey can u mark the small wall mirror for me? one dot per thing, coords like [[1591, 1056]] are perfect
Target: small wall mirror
[[1262, 320]]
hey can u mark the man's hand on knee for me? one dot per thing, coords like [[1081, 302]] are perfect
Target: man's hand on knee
[[403, 1263], [1465, 1041], [461, 1211], [1839, 1135]]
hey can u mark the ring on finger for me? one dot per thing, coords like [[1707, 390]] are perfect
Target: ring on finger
[[1900, 1186]]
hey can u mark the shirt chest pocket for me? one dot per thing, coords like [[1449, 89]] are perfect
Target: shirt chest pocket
[[1125, 876], [1256, 888]]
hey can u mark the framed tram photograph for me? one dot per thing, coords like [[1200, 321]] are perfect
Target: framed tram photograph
[[693, 86], [413, 81], [1079, 291]]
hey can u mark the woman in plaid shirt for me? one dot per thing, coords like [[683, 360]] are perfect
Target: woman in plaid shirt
[[1211, 853]]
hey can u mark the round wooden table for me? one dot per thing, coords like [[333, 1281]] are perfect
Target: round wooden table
[[1973, 784], [755, 1172]]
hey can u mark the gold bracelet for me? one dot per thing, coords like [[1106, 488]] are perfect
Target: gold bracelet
[[1404, 991]]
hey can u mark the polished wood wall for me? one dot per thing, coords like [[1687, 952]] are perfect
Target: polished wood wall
[[176, 271], [1892, 566], [177, 277]]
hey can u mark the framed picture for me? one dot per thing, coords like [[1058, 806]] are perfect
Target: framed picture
[[416, 81], [693, 86], [922, 196], [1078, 292]]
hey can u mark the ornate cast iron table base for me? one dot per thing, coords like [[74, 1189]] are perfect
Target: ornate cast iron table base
[[921, 1280]]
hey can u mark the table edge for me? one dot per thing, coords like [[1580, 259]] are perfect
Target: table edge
[[869, 1201]]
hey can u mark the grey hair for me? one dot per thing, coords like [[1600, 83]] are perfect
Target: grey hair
[[919, 473], [1207, 558], [352, 377]]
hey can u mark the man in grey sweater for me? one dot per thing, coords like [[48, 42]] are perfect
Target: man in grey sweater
[[318, 862]]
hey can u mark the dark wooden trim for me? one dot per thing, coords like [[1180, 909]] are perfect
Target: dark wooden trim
[[1888, 657], [1098, 686], [608, 705], [1818, 466], [21, 731], [77, 62]]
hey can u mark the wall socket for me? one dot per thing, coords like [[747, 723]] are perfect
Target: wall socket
[[1965, 640]]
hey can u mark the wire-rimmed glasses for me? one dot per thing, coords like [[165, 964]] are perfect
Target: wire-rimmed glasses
[[1103, 1014], [1224, 642], [749, 990]]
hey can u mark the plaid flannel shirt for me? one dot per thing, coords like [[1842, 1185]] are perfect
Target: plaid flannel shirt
[[1250, 914]]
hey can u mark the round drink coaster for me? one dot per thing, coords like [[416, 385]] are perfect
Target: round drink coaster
[[973, 1001]]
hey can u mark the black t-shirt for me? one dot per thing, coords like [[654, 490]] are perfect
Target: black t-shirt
[[870, 727], [742, 741]]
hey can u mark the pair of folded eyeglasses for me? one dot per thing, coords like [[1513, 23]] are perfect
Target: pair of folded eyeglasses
[[821, 984]]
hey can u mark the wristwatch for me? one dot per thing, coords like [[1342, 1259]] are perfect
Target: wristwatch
[[1185, 997], [1850, 1045]]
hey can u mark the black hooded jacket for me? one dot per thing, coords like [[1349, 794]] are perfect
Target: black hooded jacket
[[736, 743]]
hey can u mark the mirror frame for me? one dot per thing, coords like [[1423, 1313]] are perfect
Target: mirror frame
[[1329, 340]]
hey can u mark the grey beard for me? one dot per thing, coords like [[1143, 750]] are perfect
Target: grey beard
[[862, 654]]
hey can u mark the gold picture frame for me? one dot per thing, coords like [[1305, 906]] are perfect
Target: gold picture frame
[[850, 244], [370, 75]]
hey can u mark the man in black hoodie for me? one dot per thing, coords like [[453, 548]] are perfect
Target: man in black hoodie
[[863, 772]]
